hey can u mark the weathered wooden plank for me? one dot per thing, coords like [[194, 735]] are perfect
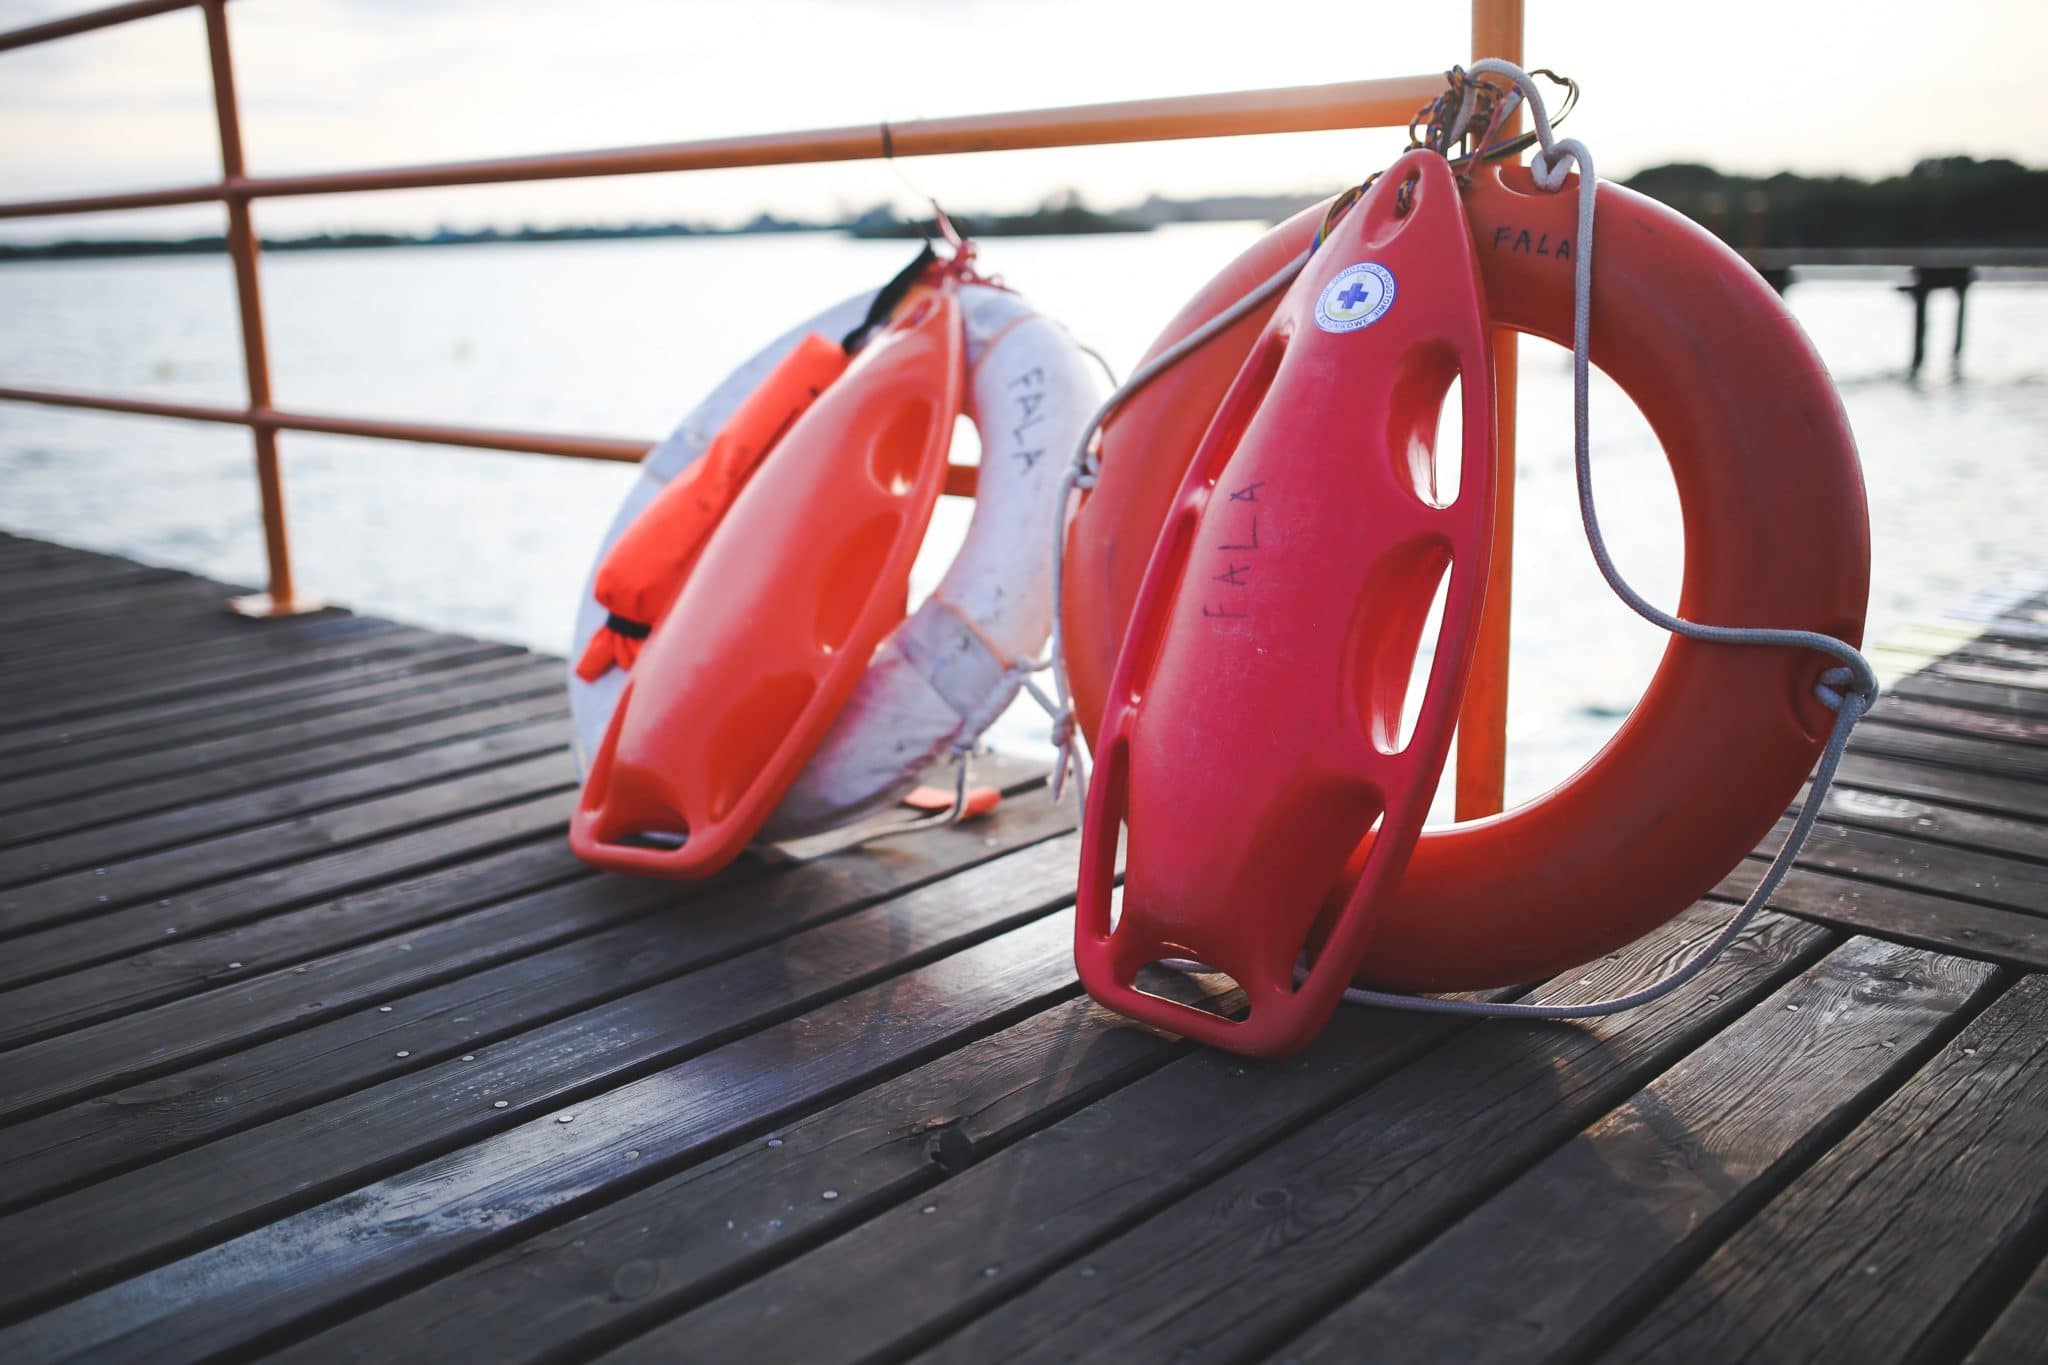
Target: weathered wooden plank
[[332, 703], [1976, 693], [1968, 752], [2015, 1338], [1951, 786], [312, 643], [2018, 680], [514, 808], [73, 581], [862, 1149], [712, 1220], [187, 662], [99, 891], [1863, 1255], [101, 1234], [126, 788], [1900, 913], [182, 965], [1004, 1223], [462, 986], [1936, 820], [1976, 875], [69, 696], [158, 723], [1599, 1227], [187, 649], [242, 1294], [2016, 726], [1224, 1271], [29, 619], [538, 727]]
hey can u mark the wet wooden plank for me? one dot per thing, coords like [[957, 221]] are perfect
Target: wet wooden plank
[[955, 978], [1866, 1256], [531, 731], [234, 704], [156, 705], [1598, 1229], [66, 695], [2016, 1336], [333, 703], [214, 1064], [1951, 786], [27, 618], [1938, 821], [631, 1261], [1343, 1196], [2016, 726], [206, 647], [1900, 913], [1908, 860], [515, 805], [139, 785], [1869, 1255], [1970, 753]]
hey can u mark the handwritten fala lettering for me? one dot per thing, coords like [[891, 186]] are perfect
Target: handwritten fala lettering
[[1508, 237], [1030, 396], [1233, 571]]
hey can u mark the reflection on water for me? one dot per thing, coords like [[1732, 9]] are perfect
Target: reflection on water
[[622, 337]]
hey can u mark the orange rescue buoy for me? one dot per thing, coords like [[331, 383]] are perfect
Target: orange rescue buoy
[[777, 619]]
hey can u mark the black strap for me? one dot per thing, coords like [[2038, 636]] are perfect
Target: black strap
[[626, 626], [888, 297]]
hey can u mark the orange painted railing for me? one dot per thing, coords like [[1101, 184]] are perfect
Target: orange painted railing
[[1496, 32]]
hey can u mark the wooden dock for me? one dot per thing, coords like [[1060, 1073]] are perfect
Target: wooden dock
[[316, 1043]]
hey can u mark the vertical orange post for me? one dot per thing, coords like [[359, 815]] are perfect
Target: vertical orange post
[[1483, 718], [280, 600]]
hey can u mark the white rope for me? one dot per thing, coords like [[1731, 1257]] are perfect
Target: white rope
[[1849, 689], [1081, 473]]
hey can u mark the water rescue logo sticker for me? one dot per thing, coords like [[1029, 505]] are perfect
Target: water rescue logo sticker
[[1359, 296]]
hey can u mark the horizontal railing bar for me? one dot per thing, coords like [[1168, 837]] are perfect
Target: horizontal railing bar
[[147, 407], [51, 29], [213, 192], [1391, 102], [618, 449], [960, 479]]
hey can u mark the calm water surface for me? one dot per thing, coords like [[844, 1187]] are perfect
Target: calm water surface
[[623, 337]]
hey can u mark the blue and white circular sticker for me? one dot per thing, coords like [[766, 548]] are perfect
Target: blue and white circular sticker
[[1358, 297]]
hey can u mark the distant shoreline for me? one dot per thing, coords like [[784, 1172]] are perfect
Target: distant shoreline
[[1067, 219], [1944, 201]]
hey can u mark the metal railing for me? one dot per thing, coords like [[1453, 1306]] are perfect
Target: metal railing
[[1496, 32]]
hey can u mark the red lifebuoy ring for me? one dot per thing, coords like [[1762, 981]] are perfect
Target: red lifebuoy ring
[[1776, 535]]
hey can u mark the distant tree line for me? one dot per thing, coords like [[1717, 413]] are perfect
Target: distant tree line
[[1943, 201]]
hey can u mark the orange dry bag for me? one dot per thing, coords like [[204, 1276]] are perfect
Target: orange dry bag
[[645, 568]]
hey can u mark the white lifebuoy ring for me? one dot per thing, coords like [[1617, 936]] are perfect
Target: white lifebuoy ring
[[954, 665]]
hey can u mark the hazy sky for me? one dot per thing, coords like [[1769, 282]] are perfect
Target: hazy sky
[[1744, 84]]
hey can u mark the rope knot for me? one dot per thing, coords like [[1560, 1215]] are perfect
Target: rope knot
[[1834, 688]]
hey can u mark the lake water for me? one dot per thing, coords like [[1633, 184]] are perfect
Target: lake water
[[622, 337]]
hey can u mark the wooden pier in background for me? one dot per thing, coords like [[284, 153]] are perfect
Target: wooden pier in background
[[1928, 270], [317, 1044]]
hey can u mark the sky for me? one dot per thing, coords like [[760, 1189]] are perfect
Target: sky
[[1746, 85]]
